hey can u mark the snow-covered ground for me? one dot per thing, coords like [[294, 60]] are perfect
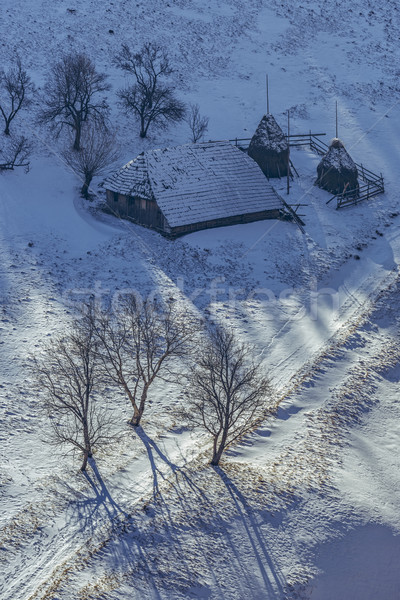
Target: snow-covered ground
[[308, 505]]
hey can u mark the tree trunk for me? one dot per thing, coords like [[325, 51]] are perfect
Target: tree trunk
[[135, 421], [216, 452], [85, 190], [88, 448], [86, 455], [77, 141], [219, 448], [217, 456], [138, 412], [143, 128], [85, 187], [7, 129], [137, 415], [85, 460]]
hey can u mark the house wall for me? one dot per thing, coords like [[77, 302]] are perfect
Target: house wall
[[236, 220], [146, 212], [141, 210]]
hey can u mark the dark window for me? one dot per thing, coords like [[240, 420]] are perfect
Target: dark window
[[115, 196]]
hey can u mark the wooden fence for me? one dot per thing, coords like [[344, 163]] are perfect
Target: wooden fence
[[373, 183], [295, 140]]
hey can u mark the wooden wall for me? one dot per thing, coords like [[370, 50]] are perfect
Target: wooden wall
[[236, 220], [141, 210], [146, 212]]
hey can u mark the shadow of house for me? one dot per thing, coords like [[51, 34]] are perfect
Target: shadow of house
[[337, 172], [269, 148], [187, 188]]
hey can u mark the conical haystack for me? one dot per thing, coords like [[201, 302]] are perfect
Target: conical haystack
[[269, 148], [337, 172]]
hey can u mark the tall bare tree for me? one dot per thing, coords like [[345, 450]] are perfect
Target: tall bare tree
[[16, 91], [97, 152], [69, 377], [228, 392], [150, 97], [71, 95], [141, 346], [198, 125]]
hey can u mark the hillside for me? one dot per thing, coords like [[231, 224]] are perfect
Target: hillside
[[307, 506]]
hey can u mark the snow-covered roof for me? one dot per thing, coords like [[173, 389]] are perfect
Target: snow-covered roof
[[197, 182], [132, 179]]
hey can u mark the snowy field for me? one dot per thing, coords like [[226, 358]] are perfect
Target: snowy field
[[308, 505]]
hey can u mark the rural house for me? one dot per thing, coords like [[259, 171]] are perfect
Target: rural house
[[192, 187]]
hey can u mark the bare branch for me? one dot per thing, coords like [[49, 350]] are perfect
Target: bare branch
[[149, 98], [16, 154], [198, 125], [16, 90], [69, 380], [228, 391], [97, 152], [70, 98], [140, 345]]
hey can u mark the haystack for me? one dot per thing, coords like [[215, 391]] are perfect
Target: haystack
[[337, 172], [269, 148]]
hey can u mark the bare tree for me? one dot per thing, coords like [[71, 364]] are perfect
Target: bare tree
[[16, 154], [228, 393], [71, 95], [16, 90], [198, 125], [97, 152], [70, 380], [150, 98], [142, 345]]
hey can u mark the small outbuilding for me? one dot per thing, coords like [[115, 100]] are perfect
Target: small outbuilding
[[269, 148], [196, 186], [337, 172]]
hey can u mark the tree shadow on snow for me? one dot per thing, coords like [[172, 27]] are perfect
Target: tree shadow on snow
[[273, 579], [102, 495], [154, 451], [200, 532], [91, 505]]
